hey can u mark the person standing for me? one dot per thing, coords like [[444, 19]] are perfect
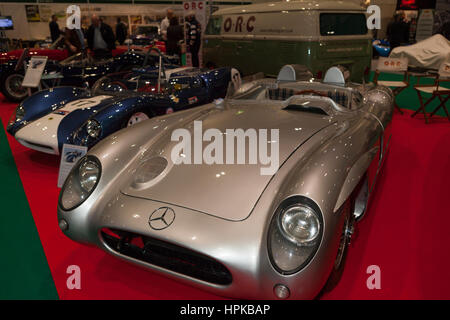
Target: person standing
[[74, 41], [193, 37], [54, 28], [397, 31], [121, 31], [100, 38], [174, 35], [165, 23]]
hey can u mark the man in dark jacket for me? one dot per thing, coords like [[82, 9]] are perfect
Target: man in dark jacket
[[174, 35], [193, 37], [398, 31], [54, 28], [121, 31], [100, 38]]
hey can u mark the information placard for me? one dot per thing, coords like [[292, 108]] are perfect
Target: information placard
[[34, 72], [70, 155]]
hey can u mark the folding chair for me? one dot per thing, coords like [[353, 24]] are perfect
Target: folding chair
[[393, 66], [436, 90]]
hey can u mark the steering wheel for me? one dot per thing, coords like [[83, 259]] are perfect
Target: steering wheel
[[318, 93]]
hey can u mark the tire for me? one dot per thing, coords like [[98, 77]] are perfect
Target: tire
[[12, 89], [341, 256], [136, 117]]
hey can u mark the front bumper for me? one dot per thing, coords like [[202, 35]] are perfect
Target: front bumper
[[239, 247], [44, 139]]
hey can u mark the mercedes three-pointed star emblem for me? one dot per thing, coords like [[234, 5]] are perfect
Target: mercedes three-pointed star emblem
[[161, 218]]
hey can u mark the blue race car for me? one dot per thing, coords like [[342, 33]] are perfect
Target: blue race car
[[77, 70], [68, 115], [381, 48]]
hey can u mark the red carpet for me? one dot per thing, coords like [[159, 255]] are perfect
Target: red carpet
[[405, 232]]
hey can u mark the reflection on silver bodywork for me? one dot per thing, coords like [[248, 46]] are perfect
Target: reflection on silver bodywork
[[241, 234]]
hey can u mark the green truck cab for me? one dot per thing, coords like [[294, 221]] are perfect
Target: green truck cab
[[266, 36]]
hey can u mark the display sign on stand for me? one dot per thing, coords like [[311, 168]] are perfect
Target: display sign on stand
[[70, 155], [199, 7], [34, 72]]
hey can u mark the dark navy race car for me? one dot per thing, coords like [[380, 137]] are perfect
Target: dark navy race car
[[67, 115], [77, 70]]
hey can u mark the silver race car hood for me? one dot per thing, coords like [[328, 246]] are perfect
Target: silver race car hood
[[237, 187]]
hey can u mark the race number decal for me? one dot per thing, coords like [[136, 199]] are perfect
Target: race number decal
[[236, 79], [85, 103], [192, 100]]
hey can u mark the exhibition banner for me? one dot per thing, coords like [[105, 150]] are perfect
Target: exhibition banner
[[199, 8], [32, 13]]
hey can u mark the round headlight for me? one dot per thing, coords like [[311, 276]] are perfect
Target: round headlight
[[80, 183], [93, 128], [294, 234], [17, 115], [88, 174], [299, 224], [20, 113]]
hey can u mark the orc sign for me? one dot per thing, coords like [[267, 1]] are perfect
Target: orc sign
[[248, 25]]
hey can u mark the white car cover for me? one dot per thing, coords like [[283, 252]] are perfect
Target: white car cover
[[429, 53]]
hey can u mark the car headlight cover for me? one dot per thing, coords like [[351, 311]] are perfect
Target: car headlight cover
[[20, 113], [294, 234], [88, 173], [80, 183], [299, 224], [93, 128], [17, 115]]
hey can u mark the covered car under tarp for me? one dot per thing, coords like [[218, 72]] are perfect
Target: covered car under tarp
[[429, 53]]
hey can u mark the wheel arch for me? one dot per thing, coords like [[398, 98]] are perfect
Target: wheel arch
[[355, 175]]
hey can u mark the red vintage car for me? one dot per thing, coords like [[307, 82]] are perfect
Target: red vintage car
[[52, 54], [61, 54]]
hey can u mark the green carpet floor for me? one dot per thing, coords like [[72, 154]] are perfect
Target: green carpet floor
[[25, 273]]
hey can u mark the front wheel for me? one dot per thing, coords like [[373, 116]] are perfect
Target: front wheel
[[136, 118], [341, 257], [12, 87]]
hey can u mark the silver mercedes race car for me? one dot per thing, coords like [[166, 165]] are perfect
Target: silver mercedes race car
[[187, 194]]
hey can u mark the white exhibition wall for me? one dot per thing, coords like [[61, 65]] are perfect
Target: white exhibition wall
[[40, 30]]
